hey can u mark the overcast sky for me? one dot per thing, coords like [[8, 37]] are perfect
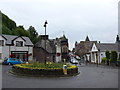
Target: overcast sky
[[77, 18]]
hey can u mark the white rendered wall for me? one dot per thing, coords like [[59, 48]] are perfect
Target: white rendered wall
[[6, 50], [102, 54]]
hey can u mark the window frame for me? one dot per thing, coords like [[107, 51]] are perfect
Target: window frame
[[1, 42], [19, 44]]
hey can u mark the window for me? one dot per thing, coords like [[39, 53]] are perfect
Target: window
[[64, 49], [19, 43], [12, 59], [1, 42]]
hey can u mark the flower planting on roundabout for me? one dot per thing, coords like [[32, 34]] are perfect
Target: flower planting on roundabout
[[41, 69]]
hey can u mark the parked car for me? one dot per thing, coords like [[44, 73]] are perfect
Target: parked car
[[77, 57], [74, 61], [11, 61]]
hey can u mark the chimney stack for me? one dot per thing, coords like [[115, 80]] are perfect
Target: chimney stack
[[44, 37]]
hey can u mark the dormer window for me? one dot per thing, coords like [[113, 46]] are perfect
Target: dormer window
[[19, 43], [1, 42]]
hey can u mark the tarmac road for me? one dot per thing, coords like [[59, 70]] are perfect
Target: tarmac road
[[90, 76]]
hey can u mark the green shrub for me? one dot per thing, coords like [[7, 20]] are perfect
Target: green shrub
[[104, 59], [113, 56], [107, 53], [118, 62]]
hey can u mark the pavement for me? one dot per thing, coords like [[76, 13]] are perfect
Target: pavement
[[91, 76]]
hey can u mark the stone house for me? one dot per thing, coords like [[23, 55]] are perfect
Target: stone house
[[16, 47], [39, 49], [83, 48], [56, 49]]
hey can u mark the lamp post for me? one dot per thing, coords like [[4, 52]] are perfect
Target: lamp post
[[45, 39]]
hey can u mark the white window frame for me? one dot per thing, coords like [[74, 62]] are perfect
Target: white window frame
[[1, 42], [18, 44]]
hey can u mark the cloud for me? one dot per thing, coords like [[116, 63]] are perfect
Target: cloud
[[77, 18]]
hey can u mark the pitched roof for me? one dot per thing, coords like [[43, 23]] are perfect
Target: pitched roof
[[84, 47], [10, 38], [107, 46], [87, 39], [84, 44], [50, 46], [63, 38]]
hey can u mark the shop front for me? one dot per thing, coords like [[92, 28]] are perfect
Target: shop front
[[23, 55]]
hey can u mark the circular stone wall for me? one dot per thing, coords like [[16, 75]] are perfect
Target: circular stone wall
[[43, 72]]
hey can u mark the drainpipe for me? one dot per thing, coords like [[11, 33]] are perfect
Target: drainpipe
[[28, 53], [9, 50]]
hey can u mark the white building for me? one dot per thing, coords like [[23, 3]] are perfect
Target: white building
[[98, 51], [16, 47]]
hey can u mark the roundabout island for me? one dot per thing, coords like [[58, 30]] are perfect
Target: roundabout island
[[45, 70]]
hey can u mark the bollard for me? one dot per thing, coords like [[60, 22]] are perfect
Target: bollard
[[26, 62], [65, 69]]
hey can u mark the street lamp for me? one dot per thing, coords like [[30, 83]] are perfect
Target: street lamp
[[45, 26], [45, 39]]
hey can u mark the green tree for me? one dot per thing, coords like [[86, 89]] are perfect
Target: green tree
[[9, 28], [10, 24], [21, 31], [6, 30], [113, 56], [107, 53], [33, 34], [21, 26]]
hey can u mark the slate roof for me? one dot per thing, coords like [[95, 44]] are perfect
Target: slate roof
[[107, 46], [84, 47], [10, 38], [50, 43], [50, 46], [87, 39], [63, 38], [83, 44]]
